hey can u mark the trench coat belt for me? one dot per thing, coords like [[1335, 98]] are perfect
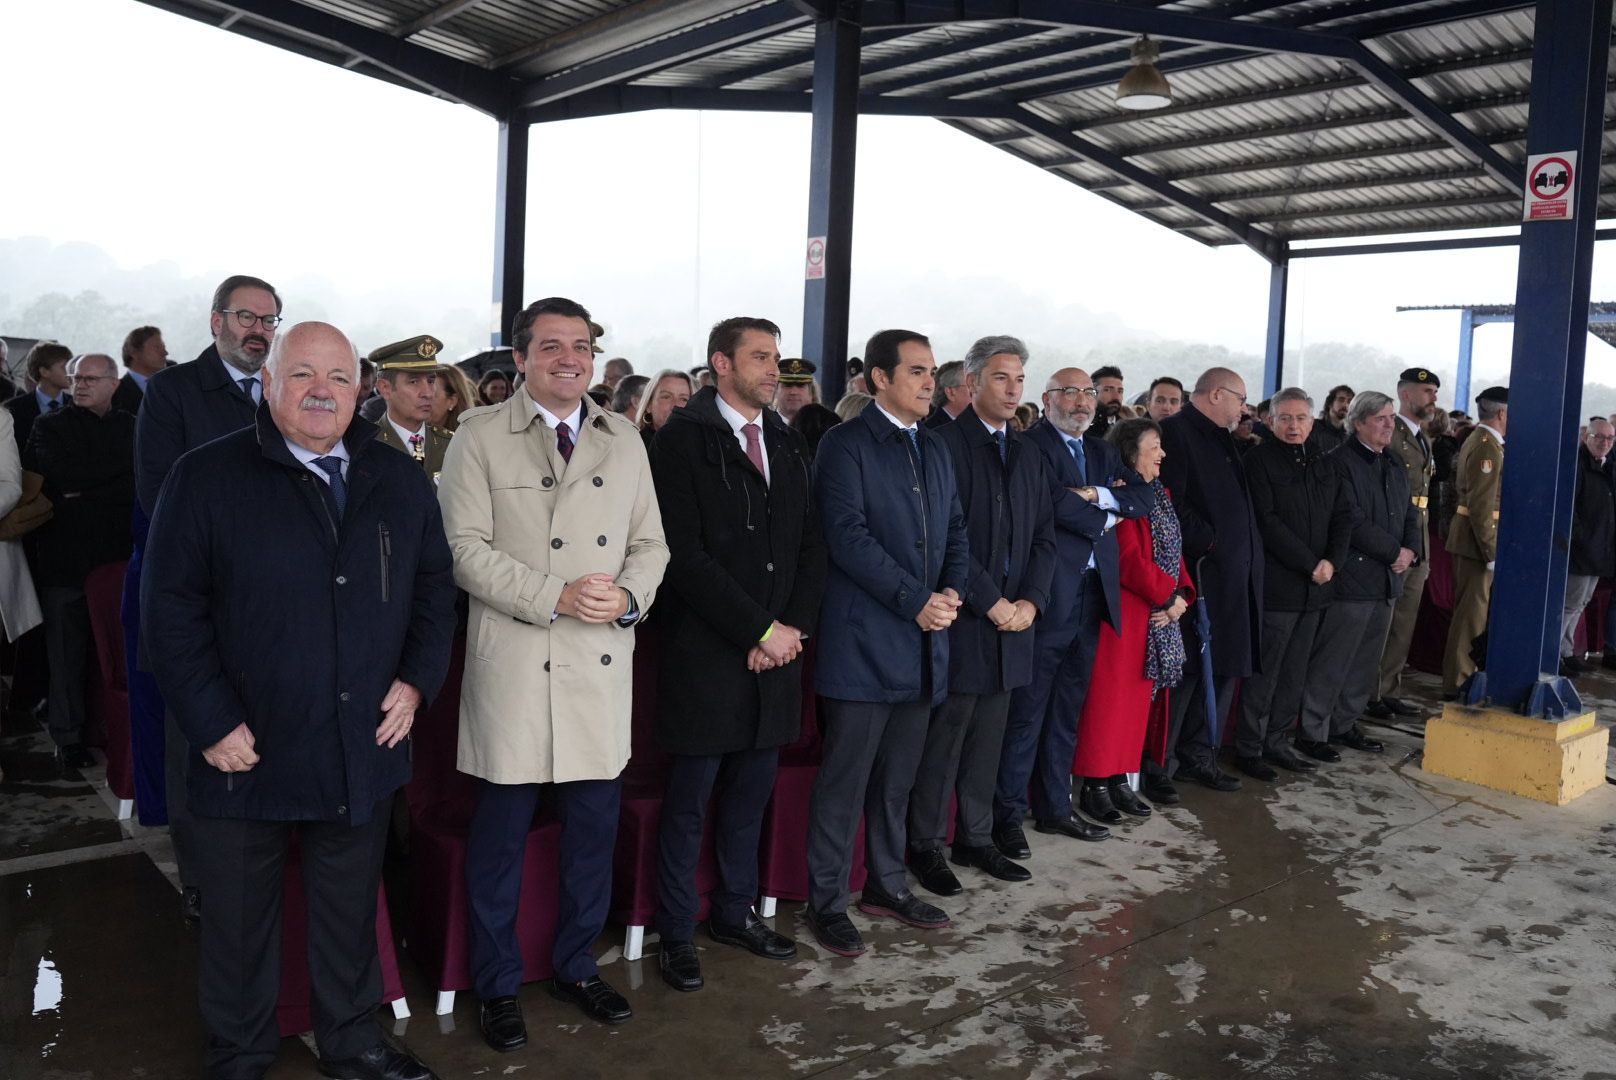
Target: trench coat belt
[[1464, 511]]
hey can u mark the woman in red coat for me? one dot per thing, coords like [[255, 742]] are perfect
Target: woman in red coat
[[1146, 657]]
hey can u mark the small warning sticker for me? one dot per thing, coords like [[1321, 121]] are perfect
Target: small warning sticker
[[1551, 184]]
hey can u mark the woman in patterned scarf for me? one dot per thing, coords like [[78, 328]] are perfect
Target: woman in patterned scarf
[[1136, 665]]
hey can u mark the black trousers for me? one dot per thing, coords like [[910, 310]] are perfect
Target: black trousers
[[1189, 738], [238, 867], [588, 812], [1040, 735], [1271, 700], [68, 644], [961, 759], [743, 781]]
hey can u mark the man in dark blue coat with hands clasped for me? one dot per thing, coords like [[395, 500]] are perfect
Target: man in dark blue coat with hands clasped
[[898, 561], [298, 604]]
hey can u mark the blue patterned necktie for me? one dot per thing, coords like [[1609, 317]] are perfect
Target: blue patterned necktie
[[914, 441], [1081, 458], [1004, 450], [339, 486]]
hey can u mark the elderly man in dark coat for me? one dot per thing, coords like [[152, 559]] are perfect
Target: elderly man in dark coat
[[1004, 494], [298, 604], [1386, 534], [1306, 526], [1224, 550], [745, 575]]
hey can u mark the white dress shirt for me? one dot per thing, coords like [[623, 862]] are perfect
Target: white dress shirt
[[307, 457], [236, 375], [736, 421]]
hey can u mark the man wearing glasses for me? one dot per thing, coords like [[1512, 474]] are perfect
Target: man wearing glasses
[[1593, 534], [85, 452], [1041, 728], [1224, 551], [185, 406]]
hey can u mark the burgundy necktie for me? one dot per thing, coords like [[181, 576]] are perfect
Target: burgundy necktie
[[564, 441], [754, 448]]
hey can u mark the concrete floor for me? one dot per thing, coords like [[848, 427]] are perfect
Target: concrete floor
[[1369, 922]]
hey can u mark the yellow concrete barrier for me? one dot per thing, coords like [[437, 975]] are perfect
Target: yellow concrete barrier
[[1550, 761]]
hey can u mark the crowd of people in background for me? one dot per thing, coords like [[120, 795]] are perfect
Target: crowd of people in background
[[1025, 607]]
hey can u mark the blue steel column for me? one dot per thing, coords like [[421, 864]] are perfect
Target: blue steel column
[[510, 226], [1279, 278], [1570, 57], [1467, 343], [830, 196]]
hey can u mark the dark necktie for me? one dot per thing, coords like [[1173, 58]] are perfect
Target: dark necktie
[[1004, 452], [1079, 456], [56, 403], [339, 486], [247, 385], [754, 447], [914, 441], [1425, 446], [564, 441]]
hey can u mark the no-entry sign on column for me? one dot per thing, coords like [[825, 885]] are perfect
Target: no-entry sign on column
[[1551, 181], [816, 257]]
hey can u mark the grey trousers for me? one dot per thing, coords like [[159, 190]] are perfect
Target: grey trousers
[[871, 752], [1271, 700], [1346, 673], [67, 650], [1579, 590], [961, 758], [1405, 615]]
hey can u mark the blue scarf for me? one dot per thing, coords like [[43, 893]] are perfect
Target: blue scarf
[[1164, 645]]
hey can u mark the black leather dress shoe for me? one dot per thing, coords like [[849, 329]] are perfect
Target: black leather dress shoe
[[1011, 842], [1124, 799], [931, 870], [75, 756], [908, 909], [1356, 739], [1399, 707], [1318, 750], [1208, 776], [1379, 710], [598, 1000], [988, 860], [681, 968], [835, 932], [1160, 790], [1096, 802], [755, 937], [191, 905], [1256, 768], [502, 1024], [1289, 759], [377, 1063], [1073, 827]]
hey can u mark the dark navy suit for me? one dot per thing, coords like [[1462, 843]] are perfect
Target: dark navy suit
[[1041, 733]]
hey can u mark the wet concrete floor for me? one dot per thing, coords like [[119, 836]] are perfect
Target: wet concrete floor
[[1370, 921]]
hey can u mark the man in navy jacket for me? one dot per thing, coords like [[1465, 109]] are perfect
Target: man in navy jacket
[[298, 605], [898, 562], [1004, 494], [1041, 733]]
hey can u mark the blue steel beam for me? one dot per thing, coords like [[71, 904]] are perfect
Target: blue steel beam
[[1467, 344], [510, 227], [1572, 53], [1457, 243], [1279, 277], [830, 201], [300, 28], [714, 37], [611, 100], [1264, 243]]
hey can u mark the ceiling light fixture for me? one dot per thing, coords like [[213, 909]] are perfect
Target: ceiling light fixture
[[1144, 87]]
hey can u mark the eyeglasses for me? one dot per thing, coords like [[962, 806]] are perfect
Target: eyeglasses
[[245, 318], [87, 378], [1226, 390], [1069, 393]]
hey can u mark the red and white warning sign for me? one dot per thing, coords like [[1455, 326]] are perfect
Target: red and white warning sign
[[1551, 184], [816, 257]]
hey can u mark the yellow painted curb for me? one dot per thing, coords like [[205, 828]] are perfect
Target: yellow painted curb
[[1550, 761]]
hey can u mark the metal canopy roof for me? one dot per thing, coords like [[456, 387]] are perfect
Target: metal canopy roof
[[1292, 119], [1601, 315]]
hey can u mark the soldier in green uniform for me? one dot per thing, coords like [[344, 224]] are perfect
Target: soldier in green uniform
[[1416, 403], [1473, 536], [406, 377]]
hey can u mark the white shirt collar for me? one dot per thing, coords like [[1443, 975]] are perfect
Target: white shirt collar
[[236, 373], [307, 456], [1499, 435], [900, 425], [1413, 425], [403, 432], [991, 429], [553, 421], [733, 417]]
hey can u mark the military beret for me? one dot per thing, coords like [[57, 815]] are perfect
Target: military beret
[[1420, 375], [596, 332], [412, 354], [797, 372], [1498, 395]]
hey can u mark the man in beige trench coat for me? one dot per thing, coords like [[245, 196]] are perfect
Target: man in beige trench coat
[[553, 520]]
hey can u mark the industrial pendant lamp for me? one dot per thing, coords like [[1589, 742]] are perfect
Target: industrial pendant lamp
[[1144, 87]]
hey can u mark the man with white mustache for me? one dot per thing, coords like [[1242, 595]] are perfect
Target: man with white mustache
[[185, 406]]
